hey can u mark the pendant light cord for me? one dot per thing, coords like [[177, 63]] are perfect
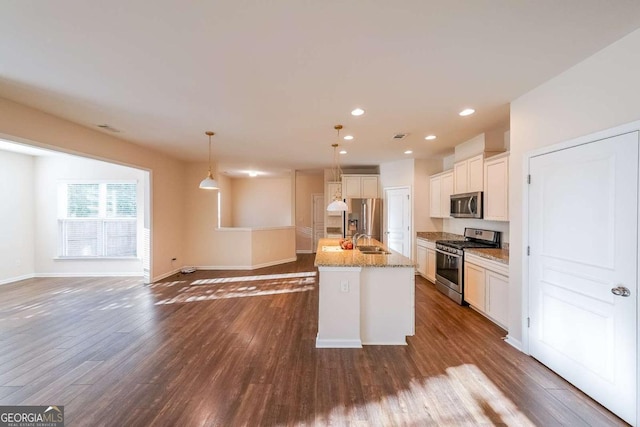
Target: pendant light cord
[[209, 134]]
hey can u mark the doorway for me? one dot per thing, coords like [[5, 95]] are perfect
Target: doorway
[[583, 266], [398, 219]]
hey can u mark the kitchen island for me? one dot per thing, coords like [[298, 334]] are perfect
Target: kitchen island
[[364, 298]]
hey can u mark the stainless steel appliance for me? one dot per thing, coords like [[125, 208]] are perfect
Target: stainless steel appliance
[[466, 205], [364, 216], [450, 260]]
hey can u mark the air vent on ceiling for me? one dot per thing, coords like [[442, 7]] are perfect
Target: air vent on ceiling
[[399, 136], [109, 128]]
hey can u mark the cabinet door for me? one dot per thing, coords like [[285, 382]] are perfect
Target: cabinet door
[[333, 188], [422, 260], [475, 173], [461, 177], [474, 285], [496, 189], [369, 187], [431, 265], [498, 297], [351, 187], [446, 192], [435, 196]]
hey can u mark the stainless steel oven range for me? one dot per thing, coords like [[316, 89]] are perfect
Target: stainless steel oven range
[[450, 260]]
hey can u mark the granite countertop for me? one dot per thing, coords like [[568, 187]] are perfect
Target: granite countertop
[[354, 258], [499, 255], [432, 236]]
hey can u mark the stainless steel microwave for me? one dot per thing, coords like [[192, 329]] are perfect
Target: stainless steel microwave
[[466, 205]]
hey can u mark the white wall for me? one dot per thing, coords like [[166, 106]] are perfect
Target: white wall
[[261, 202], [598, 93], [16, 217], [421, 195], [415, 175], [397, 174], [49, 171]]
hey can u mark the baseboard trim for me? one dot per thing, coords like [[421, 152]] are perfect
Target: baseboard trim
[[385, 343], [324, 343], [514, 343], [92, 274], [246, 267], [17, 278], [304, 251], [165, 275]]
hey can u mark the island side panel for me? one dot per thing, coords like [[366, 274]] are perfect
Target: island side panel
[[387, 305], [339, 308]]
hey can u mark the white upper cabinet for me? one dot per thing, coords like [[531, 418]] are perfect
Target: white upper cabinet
[[496, 188], [446, 190], [468, 175], [360, 186], [369, 187], [440, 191]]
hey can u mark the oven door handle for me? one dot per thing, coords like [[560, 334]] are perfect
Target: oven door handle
[[448, 253]]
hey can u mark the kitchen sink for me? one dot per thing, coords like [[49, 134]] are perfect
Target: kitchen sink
[[373, 250]]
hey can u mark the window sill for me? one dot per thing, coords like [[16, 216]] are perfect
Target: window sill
[[96, 258]]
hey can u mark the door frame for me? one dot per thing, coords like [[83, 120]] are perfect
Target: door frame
[[384, 219], [315, 196], [585, 139]]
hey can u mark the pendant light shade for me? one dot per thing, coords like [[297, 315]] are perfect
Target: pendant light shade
[[209, 183], [337, 205]]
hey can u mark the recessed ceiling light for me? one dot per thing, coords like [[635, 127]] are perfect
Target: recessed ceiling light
[[430, 137], [408, 152], [253, 174], [467, 112], [348, 137], [343, 151], [357, 112]]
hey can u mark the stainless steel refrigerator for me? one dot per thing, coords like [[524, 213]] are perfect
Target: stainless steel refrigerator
[[364, 216]]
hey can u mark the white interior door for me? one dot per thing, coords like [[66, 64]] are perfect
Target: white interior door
[[583, 225], [318, 219], [398, 220]]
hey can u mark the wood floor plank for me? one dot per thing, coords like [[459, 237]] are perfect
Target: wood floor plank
[[238, 348]]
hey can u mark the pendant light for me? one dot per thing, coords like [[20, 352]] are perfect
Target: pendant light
[[337, 205], [209, 183]]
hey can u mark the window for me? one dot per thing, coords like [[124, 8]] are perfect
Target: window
[[97, 219]]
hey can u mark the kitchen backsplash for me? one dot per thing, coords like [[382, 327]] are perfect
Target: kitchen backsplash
[[457, 226]]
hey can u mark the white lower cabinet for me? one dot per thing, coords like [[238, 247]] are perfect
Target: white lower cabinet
[[426, 259], [431, 264], [486, 287], [421, 254], [498, 300], [474, 286]]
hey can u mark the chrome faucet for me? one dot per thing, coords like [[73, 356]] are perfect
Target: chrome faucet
[[357, 236]]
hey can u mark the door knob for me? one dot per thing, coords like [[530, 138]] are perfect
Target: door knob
[[621, 291]]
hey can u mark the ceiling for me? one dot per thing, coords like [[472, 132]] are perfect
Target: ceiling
[[273, 78]]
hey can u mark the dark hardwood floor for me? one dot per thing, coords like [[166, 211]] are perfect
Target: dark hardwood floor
[[237, 348]]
